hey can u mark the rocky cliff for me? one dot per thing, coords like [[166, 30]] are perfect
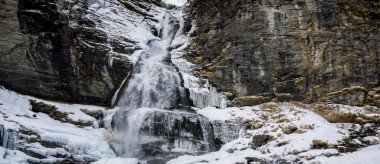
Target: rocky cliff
[[75, 51], [307, 50], [253, 51]]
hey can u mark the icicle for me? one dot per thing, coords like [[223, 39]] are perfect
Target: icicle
[[7, 138], [203, 96]]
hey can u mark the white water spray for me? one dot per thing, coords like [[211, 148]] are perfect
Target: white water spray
[[155, 83], [151, 119]]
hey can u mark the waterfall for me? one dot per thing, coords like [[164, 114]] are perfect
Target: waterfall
[[151, 120], [155, 82]]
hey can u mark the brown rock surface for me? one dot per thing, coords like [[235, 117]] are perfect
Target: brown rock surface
[[288, 50]]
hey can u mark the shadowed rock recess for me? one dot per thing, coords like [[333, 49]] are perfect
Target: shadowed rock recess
[[306, 50]]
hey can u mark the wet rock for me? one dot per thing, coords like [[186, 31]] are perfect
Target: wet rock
[[282, 143], [369, 129], [49, 110], [318, 144], [288, 50], [255, 125], [98, 114], [285, 161], [34, 154], [260, 140], [54, 113], [252, 160], [226, 131], [373, 97], [51, 49], [175, 127], [289, 129], [166, 131], [352, 96], [153, 148], [156, 161], [370, 140], [251, 100], [348, 145]]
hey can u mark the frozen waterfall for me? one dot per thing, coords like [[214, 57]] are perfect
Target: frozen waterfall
[[154, 118]]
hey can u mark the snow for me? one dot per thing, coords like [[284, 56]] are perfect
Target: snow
[[203, 95], [230, 124], [272, 121], [176, 2], [90, 142], [368, 155], [13, 103], [2, 155], [85, 142], [221, 156], [213, 113], [74, 110], [180, 42], [123, 25], [318, 152]]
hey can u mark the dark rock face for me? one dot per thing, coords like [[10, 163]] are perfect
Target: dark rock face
[[288, 50], [51, 49], [260, 140], [178, 125], [161, 135]]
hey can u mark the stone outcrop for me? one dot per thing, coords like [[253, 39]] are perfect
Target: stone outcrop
[[288, 50], [55, 49], [305, 50]]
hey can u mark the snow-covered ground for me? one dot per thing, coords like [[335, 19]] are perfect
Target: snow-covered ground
[[269, 132], [29, 129], [368, 155], [279, 132], [175, 2]]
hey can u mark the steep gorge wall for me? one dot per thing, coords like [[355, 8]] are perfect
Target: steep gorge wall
[[306, 50], [54, 49]]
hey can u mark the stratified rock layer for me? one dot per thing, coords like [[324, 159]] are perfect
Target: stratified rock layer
[[57, 49], [289, 50]]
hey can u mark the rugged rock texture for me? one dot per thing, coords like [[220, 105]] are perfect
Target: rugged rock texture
[[289, 50], [160, 133], [54, 49]]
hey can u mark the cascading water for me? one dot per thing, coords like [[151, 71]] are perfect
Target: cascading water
[[155, 83], [152, 119]]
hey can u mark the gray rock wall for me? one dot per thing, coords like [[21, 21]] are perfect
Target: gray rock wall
[[51, 49], [288, 49]]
